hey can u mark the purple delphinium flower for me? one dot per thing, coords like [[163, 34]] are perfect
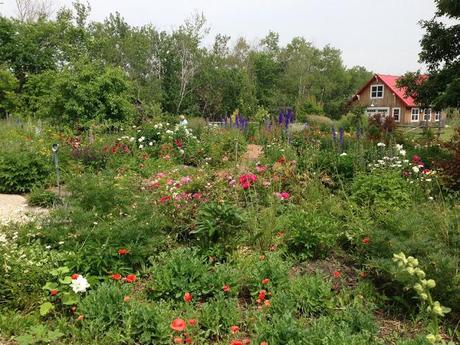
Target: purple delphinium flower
[[341, 136], [281, 117]]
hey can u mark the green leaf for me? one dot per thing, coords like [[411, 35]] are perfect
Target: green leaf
[[45, 308], [25, 339], [69, 299], [67, 280], [50, 286]]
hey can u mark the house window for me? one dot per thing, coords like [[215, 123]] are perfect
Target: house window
[[427, 114], [373, 110], [397, 114], [414, 114], [377, 91], [437, 116]]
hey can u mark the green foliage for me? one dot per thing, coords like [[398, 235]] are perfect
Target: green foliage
[[80, 94], [39, 334], [312, 233], [22, 170], [217, 227], [8, 98], [381, 190], [42, 198]]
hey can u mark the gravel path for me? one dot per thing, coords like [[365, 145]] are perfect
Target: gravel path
[[14, 208]]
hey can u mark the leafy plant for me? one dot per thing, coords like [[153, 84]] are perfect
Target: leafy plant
[[218, 226], [22, 170], [39, 334]]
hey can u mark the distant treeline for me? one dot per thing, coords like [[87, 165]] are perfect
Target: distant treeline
[[71, 69]]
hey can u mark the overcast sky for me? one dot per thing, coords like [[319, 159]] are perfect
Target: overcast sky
[[382, 35]]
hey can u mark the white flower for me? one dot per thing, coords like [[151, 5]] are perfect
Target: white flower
[[430, 198], [79, 285], [150, 143], [381, 144], [141, 139], [132, 139], [399, 147], [415, 169], [343, 154], [169, 131], [428, 180], [181, 152], [402, 152], [141, 146]]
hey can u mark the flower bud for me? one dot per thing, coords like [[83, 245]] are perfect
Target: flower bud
[[419, 273], [430, 284], [410, 270], [418, 288], [424, 296], [438, 310], [431, 338]]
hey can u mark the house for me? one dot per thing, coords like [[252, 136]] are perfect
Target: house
[[381, 96]]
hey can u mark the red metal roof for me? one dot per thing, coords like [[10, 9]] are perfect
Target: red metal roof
[[390, 82]]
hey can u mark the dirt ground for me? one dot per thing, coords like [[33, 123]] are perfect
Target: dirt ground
[[14, 208]]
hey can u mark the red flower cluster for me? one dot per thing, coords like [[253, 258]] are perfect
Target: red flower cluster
[[117, 148], [130, 278], [188, 297], [179, 325], [247, 180], [282, 195], [123, 251]]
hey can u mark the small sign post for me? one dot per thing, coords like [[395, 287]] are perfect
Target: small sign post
[[55, 149]]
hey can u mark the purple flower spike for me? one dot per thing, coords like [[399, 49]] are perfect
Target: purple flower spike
[[341, 136], [281, 117]]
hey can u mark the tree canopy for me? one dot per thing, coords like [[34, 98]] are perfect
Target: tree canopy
[[441, 52], [49, 60]]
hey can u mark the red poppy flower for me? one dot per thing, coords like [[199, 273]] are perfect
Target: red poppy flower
[[246, 341], [165, 198], [178, 340], [188, 340], [234, 329], [178, 325], [126, 299], [336, 274], [122, 251], [365, 240], [192, 322], [54, 292], [226, 288], [116, 276], [267, 303], [188, 297], [74, 276], [262, 294], [265, 281], [236, 342], [130, 278], [264, 343]]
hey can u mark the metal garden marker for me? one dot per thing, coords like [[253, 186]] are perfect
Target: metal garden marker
[[55, 149]]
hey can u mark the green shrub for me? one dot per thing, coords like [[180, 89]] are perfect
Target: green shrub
[[381, 190], [305, 295], [21, 171], [180, 271], [217, 227], [42, 198], [311, 234]]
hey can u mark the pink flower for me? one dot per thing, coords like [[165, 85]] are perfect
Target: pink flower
[[186, 180], [247, 180], [282, 195], [261, 169], [234, 329]]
